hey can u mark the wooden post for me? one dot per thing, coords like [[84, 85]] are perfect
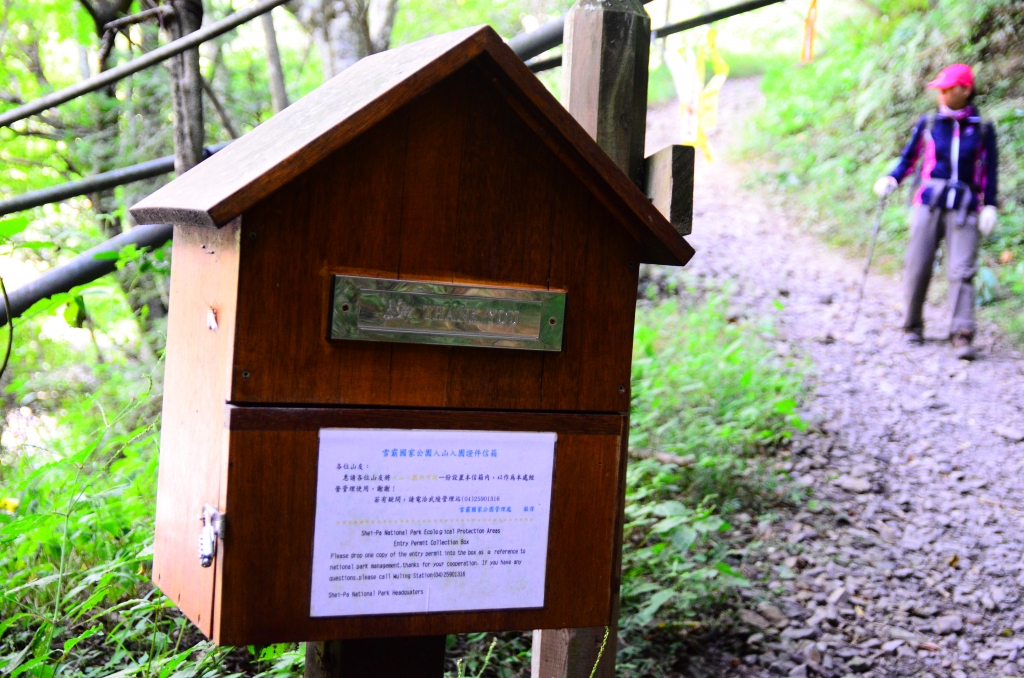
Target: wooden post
[[604, 86], [186, 87], [569, 653], [604, 76], [275, 73], [414, 657]]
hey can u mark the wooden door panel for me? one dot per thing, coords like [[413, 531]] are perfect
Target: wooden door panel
[[264, 590], [200, 337]]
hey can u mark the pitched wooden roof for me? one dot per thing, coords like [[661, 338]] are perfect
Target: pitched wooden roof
[[293, 141]]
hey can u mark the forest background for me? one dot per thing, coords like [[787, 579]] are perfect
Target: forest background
[[712, 404]]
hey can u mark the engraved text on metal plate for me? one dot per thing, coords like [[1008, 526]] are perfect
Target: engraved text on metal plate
[[381, 309]]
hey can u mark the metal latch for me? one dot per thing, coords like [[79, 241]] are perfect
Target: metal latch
[[214, 526]]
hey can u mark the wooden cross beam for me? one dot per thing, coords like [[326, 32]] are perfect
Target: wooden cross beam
[[668, 182]]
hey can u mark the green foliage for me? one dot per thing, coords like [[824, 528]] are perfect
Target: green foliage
[[488, 655], [52, 44], [77, 544], [835, 125], [708, 390], [710, 396]]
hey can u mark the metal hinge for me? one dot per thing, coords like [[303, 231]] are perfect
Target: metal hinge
[[214, 527]]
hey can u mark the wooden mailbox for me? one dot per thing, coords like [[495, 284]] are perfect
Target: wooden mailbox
[[427, 245]]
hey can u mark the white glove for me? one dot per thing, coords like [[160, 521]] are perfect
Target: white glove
[[987, 220], [884, 186]]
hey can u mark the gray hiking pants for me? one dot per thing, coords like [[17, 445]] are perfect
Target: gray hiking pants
[[927, 228]]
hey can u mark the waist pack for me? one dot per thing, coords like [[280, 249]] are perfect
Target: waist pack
[[947, 195]]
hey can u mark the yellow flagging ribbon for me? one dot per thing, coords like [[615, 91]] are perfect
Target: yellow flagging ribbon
[[698, 100], [807, 51]]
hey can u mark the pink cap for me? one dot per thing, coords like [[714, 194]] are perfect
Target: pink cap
[[950, 76]]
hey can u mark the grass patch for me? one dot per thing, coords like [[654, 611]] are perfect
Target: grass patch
[[710, 398], [707, 388]]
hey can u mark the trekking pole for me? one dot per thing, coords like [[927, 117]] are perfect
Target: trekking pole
[[867, 262]]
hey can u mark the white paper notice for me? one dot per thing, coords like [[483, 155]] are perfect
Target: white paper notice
[[430, 521]]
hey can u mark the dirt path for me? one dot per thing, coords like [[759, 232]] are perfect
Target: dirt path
[[912, 563]]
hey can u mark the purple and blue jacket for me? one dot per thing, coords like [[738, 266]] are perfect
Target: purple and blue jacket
[[956, 150]]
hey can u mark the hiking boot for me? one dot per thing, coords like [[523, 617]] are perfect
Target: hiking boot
[[913, 337], [962, 346]]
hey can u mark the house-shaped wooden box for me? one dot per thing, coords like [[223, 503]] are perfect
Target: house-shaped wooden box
[[439, 168]]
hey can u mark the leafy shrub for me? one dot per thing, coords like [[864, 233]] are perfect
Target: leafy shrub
[[709, 395], [709, 390]]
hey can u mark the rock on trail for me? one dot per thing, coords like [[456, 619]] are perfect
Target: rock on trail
[[911, 561]]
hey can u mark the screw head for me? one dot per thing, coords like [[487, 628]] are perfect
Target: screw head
[[552, 320], [622, 388], [245, 374]]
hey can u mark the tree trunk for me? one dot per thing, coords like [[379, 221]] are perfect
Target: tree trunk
[[186, 87], [345, 31], [275, 73], [148, 294]]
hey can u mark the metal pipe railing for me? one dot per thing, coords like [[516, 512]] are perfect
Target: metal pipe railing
[[84, 268], [529, 45], [135, 65], [96, 183], [539, 65], [711, 17]]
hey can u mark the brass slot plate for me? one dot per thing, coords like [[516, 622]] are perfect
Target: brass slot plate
[[384, 309]]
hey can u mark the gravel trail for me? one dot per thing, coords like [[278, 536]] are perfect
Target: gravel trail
[[911, 562]]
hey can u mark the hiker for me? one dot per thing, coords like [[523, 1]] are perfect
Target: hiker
[[954, 197]]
